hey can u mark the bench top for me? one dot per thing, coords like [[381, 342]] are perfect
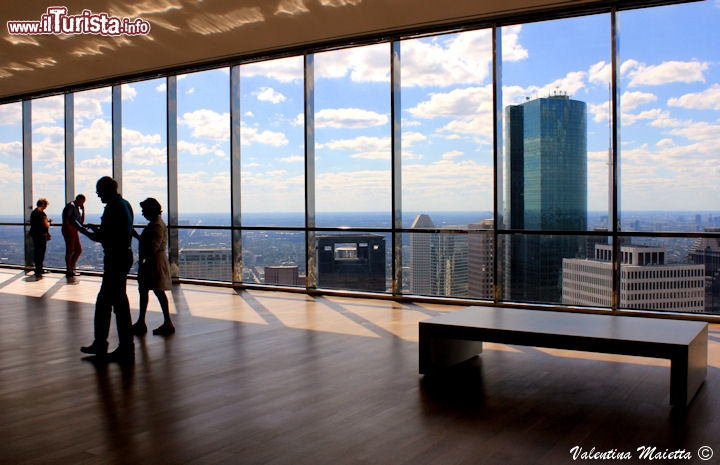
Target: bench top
[[540, 324]]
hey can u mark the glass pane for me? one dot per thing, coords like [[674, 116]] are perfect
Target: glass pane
[[12, 245], [204, 148], [48, 153], [11, 163], [205, 253], [556, 146], [144, 144], [93, 160], [447, 126], [358, 261], [670, 117], [48, 166], [352, 137], [273, 143], [274, 257]]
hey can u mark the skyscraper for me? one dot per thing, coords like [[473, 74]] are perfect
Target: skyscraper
[[546, 190]]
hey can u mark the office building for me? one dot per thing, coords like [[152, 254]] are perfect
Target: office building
[[354, 262], [481, 256], [647, 282], [210, 264], [421, 253], [546, 191]]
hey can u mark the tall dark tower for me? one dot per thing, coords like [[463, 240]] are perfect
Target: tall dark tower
[[546, 190]]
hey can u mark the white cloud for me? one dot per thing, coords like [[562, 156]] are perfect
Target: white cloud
[[145, 156], [631, 100], [207, 124], [282, 70], [249, 136], [132, 137], [11, 113], [452, 154], [267, 94], [600, 73], [349, 118], [664, 73], [99, 134], [88, 104], [709, 99], [293, 159], [128, 92], [466, 101], [11, 149], [362, 143]]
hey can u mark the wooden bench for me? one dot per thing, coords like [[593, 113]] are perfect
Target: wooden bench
[[457, 336]]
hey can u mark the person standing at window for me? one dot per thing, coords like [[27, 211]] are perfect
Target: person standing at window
[[153, 268], [73, 218], [40, 234], [115, 235]]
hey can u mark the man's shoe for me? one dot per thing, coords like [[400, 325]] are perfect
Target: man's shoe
[[139, 328], [122, 356], [164, 330], [94, 349]]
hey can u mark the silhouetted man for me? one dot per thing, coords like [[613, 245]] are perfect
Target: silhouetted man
[[73, 218], [115, 235]]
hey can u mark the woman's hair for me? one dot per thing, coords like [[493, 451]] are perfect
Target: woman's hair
[[42, 202], [151, 206]]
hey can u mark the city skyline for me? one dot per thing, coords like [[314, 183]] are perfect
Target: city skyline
[[669, 121]]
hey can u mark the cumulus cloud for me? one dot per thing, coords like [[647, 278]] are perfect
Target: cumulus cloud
[[132, 137], [631, 100], [267, 94], [349, 118], [709, 99], [664, 73], [98, 134], [207, 124]]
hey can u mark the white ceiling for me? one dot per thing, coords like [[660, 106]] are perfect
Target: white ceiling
[[192, 32]]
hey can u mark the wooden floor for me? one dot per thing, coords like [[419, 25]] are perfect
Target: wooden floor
[[258, 377]]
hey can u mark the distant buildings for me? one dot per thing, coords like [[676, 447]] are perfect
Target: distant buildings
[[451, 264], [546, 190], [706, 252], [646, 282]]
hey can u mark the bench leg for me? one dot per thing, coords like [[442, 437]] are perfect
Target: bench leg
[[438, 353], [687, 373]]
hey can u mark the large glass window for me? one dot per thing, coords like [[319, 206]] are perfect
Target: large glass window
[[93, 159], [204, 175], [204, 148], [273, 144], [555, 98], [12, 244], [447, 160], [48, 166], [144, 143], [670, 117], [352, 137]]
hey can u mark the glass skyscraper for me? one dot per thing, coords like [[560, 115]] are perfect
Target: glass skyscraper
[[546, 170]]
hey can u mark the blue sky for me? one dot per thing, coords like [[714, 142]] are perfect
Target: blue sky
[[670, 121]]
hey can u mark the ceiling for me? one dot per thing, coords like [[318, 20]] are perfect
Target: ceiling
[[191, 33]]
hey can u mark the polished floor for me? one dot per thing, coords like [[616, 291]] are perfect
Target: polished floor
[[255, 377]]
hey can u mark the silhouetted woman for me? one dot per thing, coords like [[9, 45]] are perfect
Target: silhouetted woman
[[153, 268]]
